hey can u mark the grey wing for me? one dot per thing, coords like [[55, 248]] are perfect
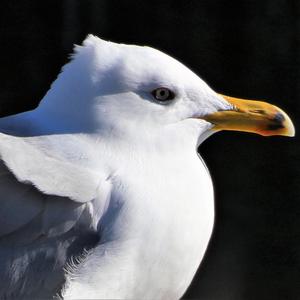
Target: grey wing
[[21, 203], [46, 218]]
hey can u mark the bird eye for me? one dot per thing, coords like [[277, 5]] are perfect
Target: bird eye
[[163, 94]]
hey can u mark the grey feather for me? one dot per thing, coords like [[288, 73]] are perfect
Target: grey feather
[[42, 228]]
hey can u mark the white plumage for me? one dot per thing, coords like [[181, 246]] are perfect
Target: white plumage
[[104, 195]]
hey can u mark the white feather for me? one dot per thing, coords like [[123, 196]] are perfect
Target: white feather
[[99, 138]]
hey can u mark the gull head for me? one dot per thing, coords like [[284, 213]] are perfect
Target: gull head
[[140, 93]]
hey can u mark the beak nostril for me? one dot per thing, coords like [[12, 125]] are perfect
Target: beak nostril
[[258, 111]]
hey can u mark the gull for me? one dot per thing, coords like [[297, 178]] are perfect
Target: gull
[[103, 193]]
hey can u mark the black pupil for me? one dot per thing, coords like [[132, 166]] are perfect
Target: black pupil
[[162, 93]]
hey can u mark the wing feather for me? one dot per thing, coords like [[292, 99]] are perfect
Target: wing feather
[[48, 174]]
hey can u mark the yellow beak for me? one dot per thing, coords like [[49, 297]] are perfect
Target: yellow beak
[[252, 116]]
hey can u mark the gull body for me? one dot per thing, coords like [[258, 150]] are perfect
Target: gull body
[[104, 194]]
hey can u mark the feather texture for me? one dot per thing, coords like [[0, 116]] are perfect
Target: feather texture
[[103, 194]]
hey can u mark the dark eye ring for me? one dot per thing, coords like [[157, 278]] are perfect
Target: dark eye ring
[[163, 94]]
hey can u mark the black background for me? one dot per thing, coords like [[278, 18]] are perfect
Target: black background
[[249, 49]]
